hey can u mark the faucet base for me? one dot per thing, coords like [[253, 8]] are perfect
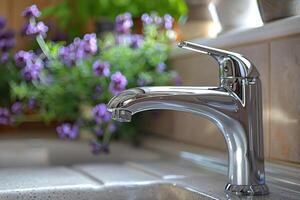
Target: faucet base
[[247, 190]]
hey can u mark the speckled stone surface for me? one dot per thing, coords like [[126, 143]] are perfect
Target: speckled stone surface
[[159, 191], [110, 174], [32, 183], [162, 177], [31, 178]]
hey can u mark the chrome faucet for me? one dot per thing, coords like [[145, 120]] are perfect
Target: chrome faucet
[[235, 107]]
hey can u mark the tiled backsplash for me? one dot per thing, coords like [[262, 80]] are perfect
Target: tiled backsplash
[[278, 62], [285, 99]]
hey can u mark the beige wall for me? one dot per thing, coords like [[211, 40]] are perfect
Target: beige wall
[[278, 62]]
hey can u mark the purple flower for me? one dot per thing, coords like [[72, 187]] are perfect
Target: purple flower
[[101, 113], [118, 83], [151, 19], [99, 131], [98, 89], [17, 107], [90, 43], [65, 56], [22, 57], [67, 130], [98, 147], [144, 79], [6, 44], [146, 18], [168, 21], [141, 81], [112, 128], [8, 34], [7, 40], [2, 22], [30, 29], [4, 57], [32, 104], [124, 23], [157, 20], [123, 39], [70, 54], [39, 29], [32, 71], [136, 41], [97, 92], [176, 79], [101, 68], [161, 67], [5, 117], [31, 11], [78, 50]]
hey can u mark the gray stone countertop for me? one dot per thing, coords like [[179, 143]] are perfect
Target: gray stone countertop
[[155, 169]]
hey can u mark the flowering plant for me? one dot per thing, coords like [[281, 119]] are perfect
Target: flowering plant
[[72, 82], [86, 12]]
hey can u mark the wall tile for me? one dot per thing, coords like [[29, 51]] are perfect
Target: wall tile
[[259, 55], [285, 99]]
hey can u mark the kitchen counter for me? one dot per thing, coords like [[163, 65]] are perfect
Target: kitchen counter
[[165, 168]]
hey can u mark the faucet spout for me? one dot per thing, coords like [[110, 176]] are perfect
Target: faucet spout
[[189, 99], [235, 107]]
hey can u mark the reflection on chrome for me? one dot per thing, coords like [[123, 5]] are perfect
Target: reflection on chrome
[[235, 107]]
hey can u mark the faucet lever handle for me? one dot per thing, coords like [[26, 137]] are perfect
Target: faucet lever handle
[[231, 64]]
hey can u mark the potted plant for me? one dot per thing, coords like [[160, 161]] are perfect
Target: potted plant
[[103, 12], [71, 83]]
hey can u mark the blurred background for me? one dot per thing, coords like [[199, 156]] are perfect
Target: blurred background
[[258, 29], [193, 18]]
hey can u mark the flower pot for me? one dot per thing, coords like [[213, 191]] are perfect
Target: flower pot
[[236, 15]]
